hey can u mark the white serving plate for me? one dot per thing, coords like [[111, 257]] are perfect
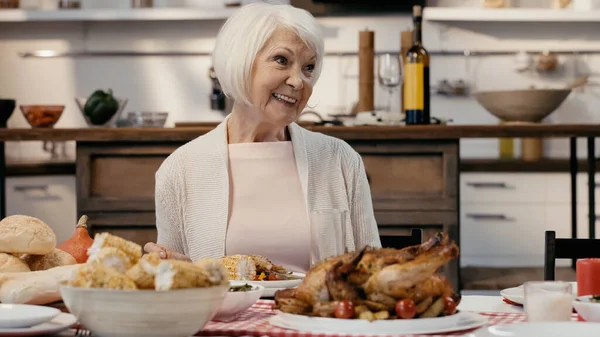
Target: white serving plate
[[459, 321], [271, 287], [517, 294], [61, 322], [545, 329], [23, 315]]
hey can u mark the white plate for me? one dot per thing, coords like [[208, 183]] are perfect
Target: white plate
[[59, 323], [271, 287], [23, 315], [457, 322], [550, 329], [281, 284], [517, 295]]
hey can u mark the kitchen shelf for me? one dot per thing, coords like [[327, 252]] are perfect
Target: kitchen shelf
[[137, 14], [465, 14]]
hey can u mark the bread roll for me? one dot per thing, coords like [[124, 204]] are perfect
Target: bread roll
[[43, 262], [26, 235], [12, 264]]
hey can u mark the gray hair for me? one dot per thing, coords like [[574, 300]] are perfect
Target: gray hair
[[245, 33]]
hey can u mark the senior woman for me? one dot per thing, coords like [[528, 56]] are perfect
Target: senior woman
[[248, 186]]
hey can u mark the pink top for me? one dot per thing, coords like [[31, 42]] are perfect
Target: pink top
[[267, 210]]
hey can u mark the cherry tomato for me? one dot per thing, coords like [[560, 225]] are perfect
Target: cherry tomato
[[272, 277], [406, 308], [344, 309], [449, 305]]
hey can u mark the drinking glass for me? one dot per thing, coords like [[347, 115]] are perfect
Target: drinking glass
[[548, 301], [327, 234], [390, 72]]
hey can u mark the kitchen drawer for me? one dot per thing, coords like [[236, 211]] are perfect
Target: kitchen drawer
[[419, 176], [559, 188], [118, 177], [514, 233], [515, 188], [52, 199]]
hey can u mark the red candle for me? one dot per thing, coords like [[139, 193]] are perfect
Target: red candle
[[588, 277]]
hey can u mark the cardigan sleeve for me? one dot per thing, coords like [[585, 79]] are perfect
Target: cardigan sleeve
[[361, 208], [169, 219]]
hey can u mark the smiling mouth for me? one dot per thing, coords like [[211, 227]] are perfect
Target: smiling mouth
[[285, 99]]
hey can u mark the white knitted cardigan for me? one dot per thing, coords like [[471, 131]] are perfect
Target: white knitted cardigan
[[192, 191]]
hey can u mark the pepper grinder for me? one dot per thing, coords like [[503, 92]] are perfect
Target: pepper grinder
[[217, 98]]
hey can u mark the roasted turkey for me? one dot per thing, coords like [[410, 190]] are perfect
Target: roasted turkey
[[374, 278]]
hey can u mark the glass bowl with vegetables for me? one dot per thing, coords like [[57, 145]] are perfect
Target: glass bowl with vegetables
[[101, 108], [42, 116]]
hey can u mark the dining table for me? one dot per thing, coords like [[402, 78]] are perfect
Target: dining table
[[254, 321]]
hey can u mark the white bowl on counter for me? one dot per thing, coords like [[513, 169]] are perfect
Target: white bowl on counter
[[148, 313], [588, 310], [237, 302]]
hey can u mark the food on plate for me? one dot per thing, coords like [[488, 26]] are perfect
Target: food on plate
[[132, 250], [239, 267], [79, 243], [377, 284], [254, 268], [53, 259], [242, 287], [116, 263], [22, 234], [12, 264], [34, 287]]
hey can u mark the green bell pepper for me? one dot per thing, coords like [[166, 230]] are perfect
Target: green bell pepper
[[100, 107]]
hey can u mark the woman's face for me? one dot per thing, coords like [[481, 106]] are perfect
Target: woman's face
[[282, 77]]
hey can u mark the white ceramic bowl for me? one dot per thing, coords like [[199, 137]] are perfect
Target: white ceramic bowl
[[237, 302], [589, 311], [148, 313]]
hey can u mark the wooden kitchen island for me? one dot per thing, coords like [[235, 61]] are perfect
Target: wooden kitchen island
[[413, 172]]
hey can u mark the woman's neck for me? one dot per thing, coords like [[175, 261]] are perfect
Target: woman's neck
[[242, 127]]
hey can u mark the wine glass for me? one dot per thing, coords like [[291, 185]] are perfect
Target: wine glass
[[390, 72]]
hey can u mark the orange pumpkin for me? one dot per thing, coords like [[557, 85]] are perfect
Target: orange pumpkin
[[78, 244]]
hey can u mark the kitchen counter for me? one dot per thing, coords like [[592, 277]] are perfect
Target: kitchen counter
[[347, 133], [413, 172]]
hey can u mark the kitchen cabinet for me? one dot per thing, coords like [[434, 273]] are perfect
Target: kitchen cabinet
[[504, 216], [50, 198]]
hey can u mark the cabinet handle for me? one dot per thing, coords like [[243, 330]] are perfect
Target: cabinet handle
[[488, 217], [23, 188], [488, 185]]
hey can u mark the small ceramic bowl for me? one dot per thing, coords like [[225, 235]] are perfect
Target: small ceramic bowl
[[237, 302], [587, 308]]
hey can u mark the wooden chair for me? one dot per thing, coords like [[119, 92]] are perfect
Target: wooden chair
[[401, 241], [566, 249]]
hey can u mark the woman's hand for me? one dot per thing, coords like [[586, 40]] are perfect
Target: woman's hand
[[165, 253]]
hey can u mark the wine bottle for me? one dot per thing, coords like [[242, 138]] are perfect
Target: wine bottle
[[416, 77]]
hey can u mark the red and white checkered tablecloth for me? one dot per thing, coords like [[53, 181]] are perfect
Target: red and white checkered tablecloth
[[254, 322]]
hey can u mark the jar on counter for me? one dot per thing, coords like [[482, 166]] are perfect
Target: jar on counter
[[9, 3]]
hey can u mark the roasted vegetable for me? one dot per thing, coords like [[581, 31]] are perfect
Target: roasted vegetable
[[100, 107]]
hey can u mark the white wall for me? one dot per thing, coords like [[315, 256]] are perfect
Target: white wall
[[181, 86]]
